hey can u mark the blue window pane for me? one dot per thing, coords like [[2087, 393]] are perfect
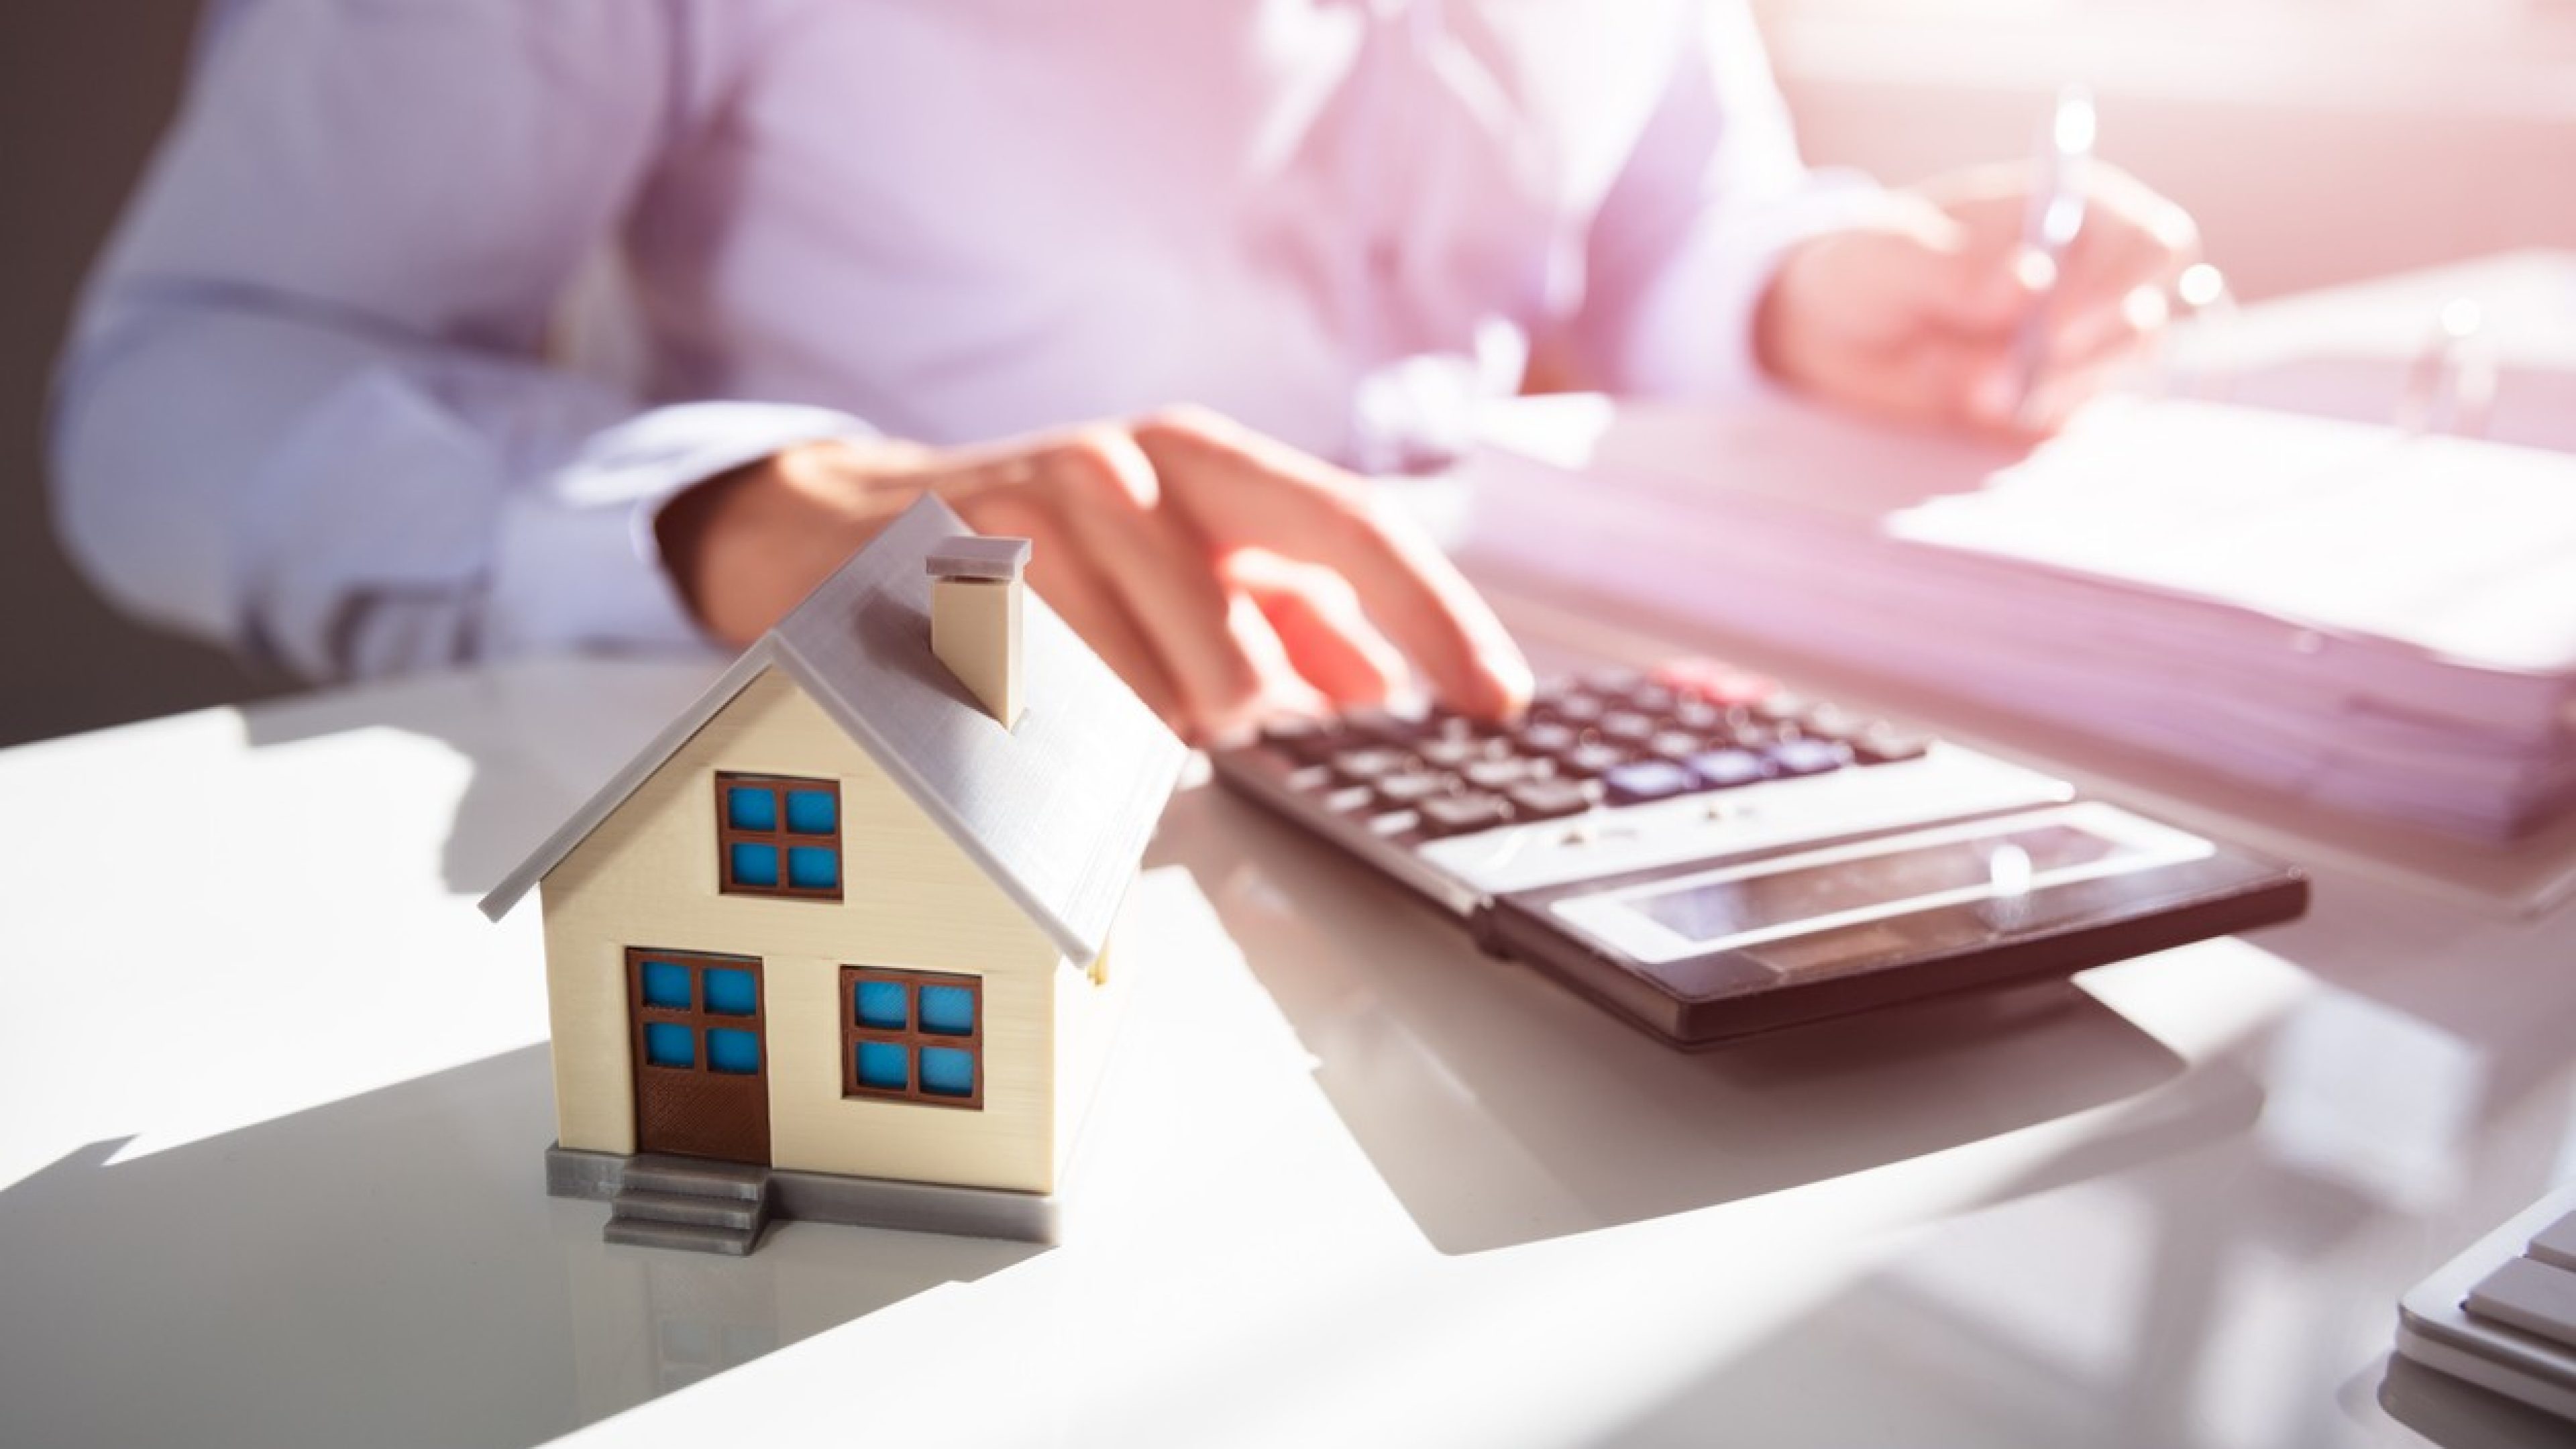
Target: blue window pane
[[813, 867], [730, 991], [755, 865], [749, 808], [948, 1009], [883, 1064], [811, 812], [880, 1004], [947, 1071], [729, 1050], [667, 1044], [666, 983]]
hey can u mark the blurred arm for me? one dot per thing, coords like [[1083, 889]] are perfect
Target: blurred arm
[[1688, 237], [302, 410]]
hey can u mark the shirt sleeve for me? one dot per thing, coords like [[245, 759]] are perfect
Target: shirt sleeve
[[304, 411], [1688, 236]]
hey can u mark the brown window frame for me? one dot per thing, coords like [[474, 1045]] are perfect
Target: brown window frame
[[912, 1038], [695, 1016], [781, 838]]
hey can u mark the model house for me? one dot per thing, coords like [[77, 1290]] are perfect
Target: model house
[[836, 945]]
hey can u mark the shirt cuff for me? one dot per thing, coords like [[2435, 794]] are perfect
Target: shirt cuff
[[577, 564], [1695, 338]]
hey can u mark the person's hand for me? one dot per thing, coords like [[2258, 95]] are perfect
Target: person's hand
[[1916, 317], [1223, 575]]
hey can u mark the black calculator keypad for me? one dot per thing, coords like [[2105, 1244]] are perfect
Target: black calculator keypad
[[1609, 737]]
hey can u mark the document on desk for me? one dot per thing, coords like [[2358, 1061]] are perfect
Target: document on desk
[[2376, 620], [2367, 351], [2464, 551]]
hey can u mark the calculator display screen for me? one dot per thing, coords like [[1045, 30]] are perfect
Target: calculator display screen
[[2003, 864]]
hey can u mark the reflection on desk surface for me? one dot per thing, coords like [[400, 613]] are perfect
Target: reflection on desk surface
[[1503, 1109]]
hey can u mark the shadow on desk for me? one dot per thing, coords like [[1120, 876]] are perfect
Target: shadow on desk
[[2457, 1414], [541, 737], [1503, 1110], [300, 1281]]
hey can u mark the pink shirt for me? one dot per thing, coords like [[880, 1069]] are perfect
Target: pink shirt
[[318, 401]]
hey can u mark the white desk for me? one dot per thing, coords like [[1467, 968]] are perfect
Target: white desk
[[270, 1170]]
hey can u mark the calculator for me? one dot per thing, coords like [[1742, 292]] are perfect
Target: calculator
[[1708, 855]]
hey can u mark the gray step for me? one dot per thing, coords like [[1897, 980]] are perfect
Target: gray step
[[678, 1207], [687, 1237], [697, 1177]]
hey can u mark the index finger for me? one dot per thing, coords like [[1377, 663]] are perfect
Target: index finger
[[2132, 237], [1242, 490]]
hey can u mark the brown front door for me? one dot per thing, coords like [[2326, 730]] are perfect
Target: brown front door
[[701, 1055]]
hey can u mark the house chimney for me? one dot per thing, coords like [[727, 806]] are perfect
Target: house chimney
[[975, 592]]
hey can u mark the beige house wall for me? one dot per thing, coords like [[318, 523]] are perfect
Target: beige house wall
[[912, 900]]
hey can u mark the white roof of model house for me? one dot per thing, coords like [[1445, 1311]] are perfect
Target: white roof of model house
[[1057, 811]]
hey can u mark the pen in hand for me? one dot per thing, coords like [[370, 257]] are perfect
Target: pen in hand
[[2049, 226]]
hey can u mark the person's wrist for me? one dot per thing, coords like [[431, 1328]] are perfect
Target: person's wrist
[[689, 523], [741, 545]]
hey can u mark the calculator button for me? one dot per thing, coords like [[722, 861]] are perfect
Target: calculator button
[[1808, 757], [1778, 708], [1826, 722], [1394, 822], [1719, 683], [1550, 799], [1349, 798], [1696, 714], [1365, 765], [1726, 769], [1675, 745], [1648, 780], [1627, 727], [1577, 709], [1306, 740], [1457, 729], [1450, 754], [1549, 738], [1748, 733], [1403, 725], [1500, 774], [1412, 787], [1886, 745], [1307, 778], [1457, 814], [1592, 759], [2530, 1295]]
